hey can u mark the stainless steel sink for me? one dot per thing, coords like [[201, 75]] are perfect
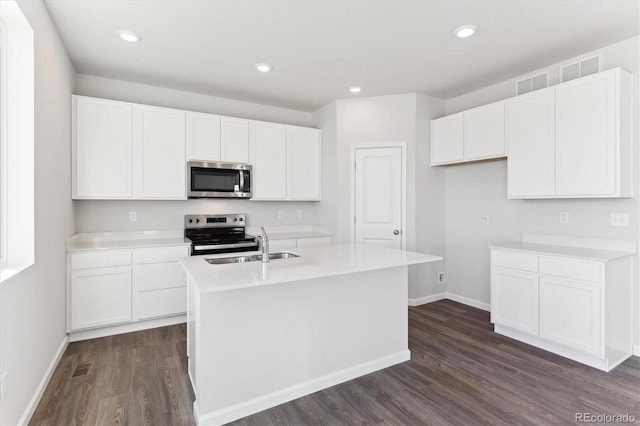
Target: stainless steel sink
[[251, 258]]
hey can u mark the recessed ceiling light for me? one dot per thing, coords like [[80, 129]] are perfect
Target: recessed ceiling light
[[129, 36], [465, 31], [262, 67], [355, 89]]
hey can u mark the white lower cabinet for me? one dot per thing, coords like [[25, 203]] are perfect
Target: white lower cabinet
[[114, 287], [570, 314], [160, 283], [580, 309], [100, 296]]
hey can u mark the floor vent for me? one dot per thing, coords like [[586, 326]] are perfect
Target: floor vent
[[82, 369]]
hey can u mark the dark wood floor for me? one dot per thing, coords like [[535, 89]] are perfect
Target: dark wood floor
[[460, 373]]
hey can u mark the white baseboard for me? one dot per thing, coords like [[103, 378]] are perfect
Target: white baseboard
[[94, 333], [451, 296], [470, 302], [290, 393], [37, 396], [636, 350], [427, 299]]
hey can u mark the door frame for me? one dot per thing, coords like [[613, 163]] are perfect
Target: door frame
[[403, 173]]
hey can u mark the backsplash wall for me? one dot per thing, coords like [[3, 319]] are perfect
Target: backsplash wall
[[113, 215]]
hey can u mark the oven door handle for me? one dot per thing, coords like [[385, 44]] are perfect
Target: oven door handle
[[223, 246]]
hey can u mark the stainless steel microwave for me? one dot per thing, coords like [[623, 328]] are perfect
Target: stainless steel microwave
[[218, 180]]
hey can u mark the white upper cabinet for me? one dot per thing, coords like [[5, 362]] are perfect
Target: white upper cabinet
[[102, 135], [286, 162], [203, 137], [303, 163], [484, 132], [235, 140], [446, 139], [268, 147], [531, 136], [588, 118], [159, 153], [472, 135], [572, 140]]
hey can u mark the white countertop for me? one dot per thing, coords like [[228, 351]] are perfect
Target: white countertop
[[125, 240], [583, 253], [314, 262]]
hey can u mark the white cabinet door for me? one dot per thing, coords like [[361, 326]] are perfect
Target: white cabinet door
[[100, 296], [531, 144], [203, 136], [159, 153], [586, 136], [570, 314], [483, 133], [102, 134], [235, 140], [303, 163], [446, 139], [268, 146], [514, 299]]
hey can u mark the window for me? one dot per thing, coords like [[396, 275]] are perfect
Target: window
[[16, 141]]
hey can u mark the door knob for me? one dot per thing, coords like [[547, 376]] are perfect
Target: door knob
[[396, 232]]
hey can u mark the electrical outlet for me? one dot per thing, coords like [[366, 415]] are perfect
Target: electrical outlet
[[441, 277], [619, 219], [485, 220], [300, 213], [564, 217], [3, 386], [280, 214], [133, 216]]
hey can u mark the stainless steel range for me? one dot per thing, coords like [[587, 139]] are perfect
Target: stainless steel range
[[214, 234]]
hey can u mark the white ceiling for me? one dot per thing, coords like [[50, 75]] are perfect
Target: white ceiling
[[319, 48]]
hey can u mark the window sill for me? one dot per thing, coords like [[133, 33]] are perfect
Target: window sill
[[10, 270]]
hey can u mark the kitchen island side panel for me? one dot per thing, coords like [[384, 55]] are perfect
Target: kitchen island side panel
[[262, 346]]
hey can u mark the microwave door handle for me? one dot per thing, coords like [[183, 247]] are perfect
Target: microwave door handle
[[241, 180]]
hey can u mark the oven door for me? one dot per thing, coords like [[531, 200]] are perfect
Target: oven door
[[218, 180]]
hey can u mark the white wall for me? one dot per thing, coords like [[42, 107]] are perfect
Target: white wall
[[102, 216], [32, 303], [480, 189], [395, 118]]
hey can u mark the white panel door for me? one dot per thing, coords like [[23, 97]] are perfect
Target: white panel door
[[303, 163], [586, 136], [102, 135], [570, 314], [483, 134], [203, 136], [446, 139], [159, 153], [235, 140], [531, 144], [100, 296], [514, 299], [268, 147], [378, 197]]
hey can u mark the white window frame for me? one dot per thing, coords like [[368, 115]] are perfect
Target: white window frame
[[17, 150], [3, 146]]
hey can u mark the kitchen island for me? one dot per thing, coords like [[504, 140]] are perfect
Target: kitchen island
[[263, 334]]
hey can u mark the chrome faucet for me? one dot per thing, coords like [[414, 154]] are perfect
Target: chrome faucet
[[263, 245]]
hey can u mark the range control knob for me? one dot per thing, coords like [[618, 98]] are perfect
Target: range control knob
[[240, 219], [190, 220], [235, 219], [197, 220]]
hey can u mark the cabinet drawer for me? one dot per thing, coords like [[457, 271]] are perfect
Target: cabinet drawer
[[574, 269], [160, 303], [100, 259], [159, 254], [160, 276], [523, 262]]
